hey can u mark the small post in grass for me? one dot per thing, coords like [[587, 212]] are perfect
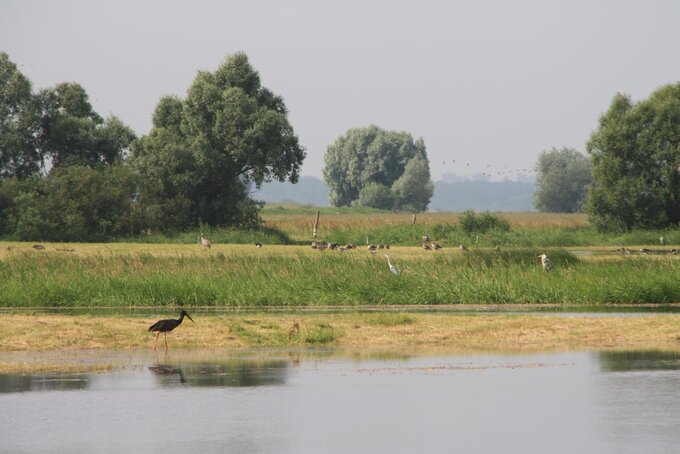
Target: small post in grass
[[316, 224]]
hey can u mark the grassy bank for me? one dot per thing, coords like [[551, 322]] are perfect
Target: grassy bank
[[353, 332], [94, 276], [290, 226]]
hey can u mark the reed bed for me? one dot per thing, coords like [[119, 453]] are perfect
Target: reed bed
[[297, 277]]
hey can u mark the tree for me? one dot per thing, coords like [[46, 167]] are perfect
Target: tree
[[203, 152], [376, 195], [74, 203], [371, 155], [413, 190], [562, 180], [636, 163], [72, 133], [54, 128], [19, 156]]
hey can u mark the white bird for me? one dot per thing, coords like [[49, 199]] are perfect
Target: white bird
[[545, 261], [393, 269], [205, 242]]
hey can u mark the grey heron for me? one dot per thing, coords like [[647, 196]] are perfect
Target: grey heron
[[393, 269]]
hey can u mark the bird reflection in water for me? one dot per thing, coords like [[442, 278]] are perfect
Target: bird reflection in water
[[165, 370]]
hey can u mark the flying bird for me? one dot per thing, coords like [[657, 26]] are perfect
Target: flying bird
[[393, 269], [545, 262], [164, 326]]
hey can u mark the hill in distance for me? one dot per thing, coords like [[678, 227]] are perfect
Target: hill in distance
[[452, 194]]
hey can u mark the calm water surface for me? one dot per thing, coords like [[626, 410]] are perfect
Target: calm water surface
[[317, 402]]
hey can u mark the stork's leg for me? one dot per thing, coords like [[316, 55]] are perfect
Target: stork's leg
[[166, 341], [155, 344]]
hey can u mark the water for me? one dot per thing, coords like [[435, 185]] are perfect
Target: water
[[319, 402]]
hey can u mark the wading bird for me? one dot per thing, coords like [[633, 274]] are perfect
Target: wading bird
[[205, 242], [393, 269], [163, 326], [545, 261]]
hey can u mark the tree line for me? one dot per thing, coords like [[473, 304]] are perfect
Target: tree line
[[67, 174], [631, 176]]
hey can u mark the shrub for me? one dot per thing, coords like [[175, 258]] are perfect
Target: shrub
[[471, 223]]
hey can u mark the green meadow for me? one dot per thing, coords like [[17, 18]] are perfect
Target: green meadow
[[242, 276]]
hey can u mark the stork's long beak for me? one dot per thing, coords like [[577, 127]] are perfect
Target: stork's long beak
[[190, 318]]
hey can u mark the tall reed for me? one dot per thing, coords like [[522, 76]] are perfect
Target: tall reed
[[311, 278]]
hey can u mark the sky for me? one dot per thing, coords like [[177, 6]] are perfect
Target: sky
[[487, 84]]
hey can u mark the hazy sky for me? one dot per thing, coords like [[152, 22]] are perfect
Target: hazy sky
[[489, 83]]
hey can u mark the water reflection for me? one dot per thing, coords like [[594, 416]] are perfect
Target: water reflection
[[231, 373], [234, 373], [628, 361], [54, 382], [214, 401]]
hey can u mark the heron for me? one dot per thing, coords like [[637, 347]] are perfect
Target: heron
[[205, 242], [545, 262], [393, 269], [164, 326]]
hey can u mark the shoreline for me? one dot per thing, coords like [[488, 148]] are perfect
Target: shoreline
[[39, 343]]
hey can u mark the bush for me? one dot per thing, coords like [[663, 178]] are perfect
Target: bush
[[471, 223]]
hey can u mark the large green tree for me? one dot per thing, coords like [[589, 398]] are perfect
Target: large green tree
[[72, 133], [204, 152], [19, 155], [371, 155], [56, 127], [636, 163], [562, 180]]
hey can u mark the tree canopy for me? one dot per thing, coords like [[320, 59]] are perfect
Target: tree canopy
[[205, 151], [562, 180], [636, 163], [19, 156], [53, 128], [370, 159]]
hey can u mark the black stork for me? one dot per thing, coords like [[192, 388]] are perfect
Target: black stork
[[163, 326]]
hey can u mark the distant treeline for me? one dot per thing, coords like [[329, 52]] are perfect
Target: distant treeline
[[448, 196]]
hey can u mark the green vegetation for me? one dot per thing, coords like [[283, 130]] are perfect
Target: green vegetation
[[289, 276], [636, 162], [67, 174], [562, 180], [380, 169]]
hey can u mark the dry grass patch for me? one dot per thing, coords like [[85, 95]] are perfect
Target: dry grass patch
[[383, 330]]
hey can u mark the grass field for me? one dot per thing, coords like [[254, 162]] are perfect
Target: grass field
[[155, 275], [287, 225], [241, 276]]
